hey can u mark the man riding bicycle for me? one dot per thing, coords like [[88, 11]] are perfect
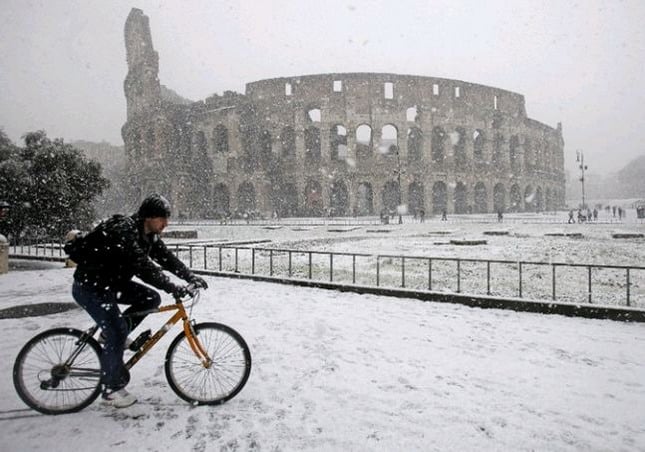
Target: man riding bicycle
[[108, 257]]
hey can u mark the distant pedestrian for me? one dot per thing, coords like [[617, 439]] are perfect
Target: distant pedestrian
[[500, 216], [613, 208], [444, 216], [422, 215], [571, 220], [595, 215]]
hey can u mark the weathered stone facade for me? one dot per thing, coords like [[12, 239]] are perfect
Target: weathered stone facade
[[345, 144]]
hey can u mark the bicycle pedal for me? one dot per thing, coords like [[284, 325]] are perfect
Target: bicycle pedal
[[140, 340]]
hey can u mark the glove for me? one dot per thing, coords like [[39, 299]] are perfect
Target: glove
[[199, 282], [180, 291]]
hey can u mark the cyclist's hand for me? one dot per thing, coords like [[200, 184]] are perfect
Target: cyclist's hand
[[199, 282], [180, 292]]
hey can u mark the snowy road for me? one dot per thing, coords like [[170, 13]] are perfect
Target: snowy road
[[337, 371]]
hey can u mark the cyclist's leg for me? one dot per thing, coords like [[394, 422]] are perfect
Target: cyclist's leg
[[102, 307], [140, 298]]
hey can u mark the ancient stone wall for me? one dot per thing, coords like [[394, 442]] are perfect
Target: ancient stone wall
[[340, 144]]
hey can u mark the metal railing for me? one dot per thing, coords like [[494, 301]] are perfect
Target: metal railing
[[557, 281]]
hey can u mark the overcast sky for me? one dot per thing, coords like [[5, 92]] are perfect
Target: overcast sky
[[579, 63]]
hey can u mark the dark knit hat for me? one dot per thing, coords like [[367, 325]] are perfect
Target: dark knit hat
[[154, 206]]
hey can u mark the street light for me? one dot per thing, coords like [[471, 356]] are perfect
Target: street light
[[395, 149], [580, 158]]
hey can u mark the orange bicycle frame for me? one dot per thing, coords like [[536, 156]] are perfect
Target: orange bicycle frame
[[192, 339]]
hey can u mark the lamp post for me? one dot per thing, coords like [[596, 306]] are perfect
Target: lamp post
[[580, 158], [398, 175]]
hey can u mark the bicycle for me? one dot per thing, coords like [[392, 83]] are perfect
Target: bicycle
[[58, 371]]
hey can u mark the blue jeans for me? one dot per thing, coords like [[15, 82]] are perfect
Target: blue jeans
[[101, 305]]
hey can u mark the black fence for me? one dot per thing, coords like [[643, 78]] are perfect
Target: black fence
[[557, 281]]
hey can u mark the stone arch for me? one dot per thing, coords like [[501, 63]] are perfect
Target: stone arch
[[515, 202], [416, 198], [514, 153], [389, 139], [461, 198], [220, 138], [529, 199], [338, 142], [339, 198], [391, 197], [246, 197], [287, 200], [439, 197], [312, 144], [313, 199], [499, 197], [459, 148], [539, 200], [480, 195], [529, 156], [313, 114], [364, 199], [266, 144], [288, 142], [221, 200], [479, 146], [438, 139], [364, 141], [497, 159], [415, 144]]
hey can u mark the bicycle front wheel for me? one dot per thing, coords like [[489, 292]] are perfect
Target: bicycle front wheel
[[57, 373], [223, 379]]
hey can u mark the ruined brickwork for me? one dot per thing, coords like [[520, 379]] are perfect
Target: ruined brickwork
[[340, 144]]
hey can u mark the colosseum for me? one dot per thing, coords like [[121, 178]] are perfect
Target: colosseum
[[336, 144]]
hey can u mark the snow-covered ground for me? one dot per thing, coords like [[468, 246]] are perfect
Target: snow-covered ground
[[339, 371]]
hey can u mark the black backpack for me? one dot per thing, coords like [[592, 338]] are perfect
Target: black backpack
[[83, 246]]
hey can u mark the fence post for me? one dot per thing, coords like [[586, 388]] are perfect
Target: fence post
[[589, 281], [309, 264], [270, 262], [458, 275], [628, 304], [488, 277], [289, 263], [190, 254], [205, 267], [220, 257], [553, 280], [331, 267], [353, 268], [378, 271], [520, 282], [429, 274], [403, 271], [236, 261], [253, 261]]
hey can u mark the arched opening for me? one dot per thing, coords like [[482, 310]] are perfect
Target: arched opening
[[416, 199], [539, 200], [514, 153], [364, 199], [461, 200], [439, 197], [459, 148], [221, 201], [499, 198], [312, 144], [313, 199], [529, 199], [438, 138], [391, 197], [479, 144], [338, 198], [480, 198], [266, 144], [389, 140], [363, 141], [287, 201], [338, 142], [246, 198], [415, 144], [516, 199]]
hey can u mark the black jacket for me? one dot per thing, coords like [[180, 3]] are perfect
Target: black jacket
[[118, 249]]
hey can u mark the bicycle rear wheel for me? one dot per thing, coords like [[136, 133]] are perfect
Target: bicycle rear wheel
[[48, 383], [223, 379]]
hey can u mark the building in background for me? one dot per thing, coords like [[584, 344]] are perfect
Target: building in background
[[335, 144]]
